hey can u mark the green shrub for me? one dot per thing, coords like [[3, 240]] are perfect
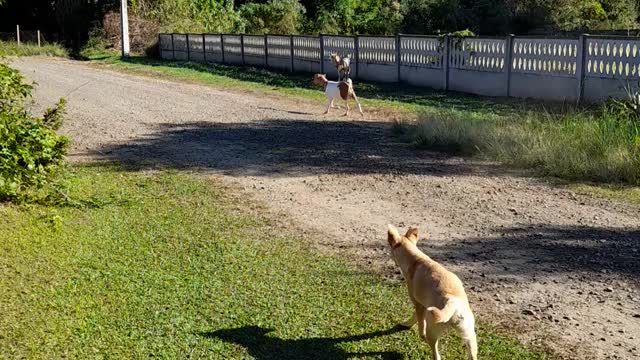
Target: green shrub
[[32, 155], [274, 17]]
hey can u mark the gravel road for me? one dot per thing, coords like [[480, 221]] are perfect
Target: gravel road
[[553, 267]]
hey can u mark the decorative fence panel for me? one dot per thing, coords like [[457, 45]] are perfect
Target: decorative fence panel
[[422, 61], [213, 48], [612, 67], [232, 47], [591, 68], [306, 54], [545, 68], [477, 64], [254, 50], [377, 58], [279, 52]]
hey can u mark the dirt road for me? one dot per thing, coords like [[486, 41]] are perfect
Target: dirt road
[[553, 267]]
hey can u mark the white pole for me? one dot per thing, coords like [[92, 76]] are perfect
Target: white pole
[[38, 38], [124, 28], [18, 34]]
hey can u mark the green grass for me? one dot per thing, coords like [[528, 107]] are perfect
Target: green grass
[[575, 146], [10, 48], [170, 265]]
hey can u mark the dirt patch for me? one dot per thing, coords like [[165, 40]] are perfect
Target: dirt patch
[[560, 267]]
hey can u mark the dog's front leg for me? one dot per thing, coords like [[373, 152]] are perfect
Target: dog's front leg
[[329, 105]]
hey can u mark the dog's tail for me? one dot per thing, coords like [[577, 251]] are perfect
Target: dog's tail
[[444, 315]]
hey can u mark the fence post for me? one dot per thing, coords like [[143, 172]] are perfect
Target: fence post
[[580, 61], [188, 49], [173, 49], [398, 55], [39, 38], [266, 52], [204, 49], [356, 47], [321, 53], [508, 61], [222, 46], [291, 52], [242, 47], [18, 34], [445, 61]]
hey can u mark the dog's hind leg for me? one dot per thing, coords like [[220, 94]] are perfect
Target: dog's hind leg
[[468, 334], [346, 103], [412, 321]]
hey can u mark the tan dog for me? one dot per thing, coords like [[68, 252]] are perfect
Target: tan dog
[[437, 294], [337, 89]]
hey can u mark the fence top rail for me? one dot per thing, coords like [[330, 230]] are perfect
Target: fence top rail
[[419, 36], [546, 37], [541, 37], [375, 36], [338, 36], [612, 37]]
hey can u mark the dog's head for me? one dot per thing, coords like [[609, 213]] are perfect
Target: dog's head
[[396, 240], [319, 79], [334, 57]]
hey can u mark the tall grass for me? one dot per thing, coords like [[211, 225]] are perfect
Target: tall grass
[[11, 48], [584, 146]]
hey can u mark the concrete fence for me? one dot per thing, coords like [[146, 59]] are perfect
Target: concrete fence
[[589, 68]]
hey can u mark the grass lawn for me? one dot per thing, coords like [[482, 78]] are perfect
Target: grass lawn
[[170, 265]]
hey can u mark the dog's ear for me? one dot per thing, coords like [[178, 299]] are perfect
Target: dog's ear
[[412, 234], [393, 236]]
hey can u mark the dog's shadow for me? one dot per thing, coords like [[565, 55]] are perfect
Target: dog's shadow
[[264, 347]]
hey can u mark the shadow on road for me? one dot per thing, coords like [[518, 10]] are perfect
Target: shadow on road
[[279, 147]]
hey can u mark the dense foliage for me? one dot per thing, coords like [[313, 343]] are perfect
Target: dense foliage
[[73, 20], [31, 153]]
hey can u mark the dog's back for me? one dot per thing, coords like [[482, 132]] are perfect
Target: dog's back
[[440, 291]]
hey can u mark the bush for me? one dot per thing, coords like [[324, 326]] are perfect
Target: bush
[[274, 17], [32, 155], [358, 17]]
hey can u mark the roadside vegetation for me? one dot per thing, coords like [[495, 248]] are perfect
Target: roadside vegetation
[[11, 48], [32, 154], [599, 145], [127, 276]]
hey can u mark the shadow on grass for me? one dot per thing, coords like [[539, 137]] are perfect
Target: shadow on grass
[[264, 347], [393, 92], [276, 147]]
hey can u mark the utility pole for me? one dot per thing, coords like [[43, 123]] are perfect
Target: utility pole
[[124, 27]]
